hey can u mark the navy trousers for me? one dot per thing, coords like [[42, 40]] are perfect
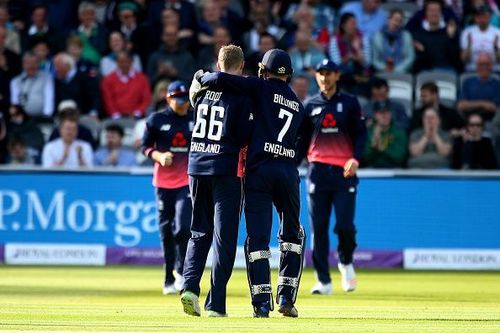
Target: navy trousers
[[273, 182], [217, 202], [328, 187], [174, 218]]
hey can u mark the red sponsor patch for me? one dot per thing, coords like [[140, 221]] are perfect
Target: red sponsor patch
[[179, 140], [329, 121]]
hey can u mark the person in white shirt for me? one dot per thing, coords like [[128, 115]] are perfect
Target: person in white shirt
[[481, 37], [67, 151]]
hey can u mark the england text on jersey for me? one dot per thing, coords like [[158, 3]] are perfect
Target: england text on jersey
[[200, 147], [277, 149]]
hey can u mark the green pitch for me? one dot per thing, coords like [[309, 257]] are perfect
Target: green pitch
[[127, 298]]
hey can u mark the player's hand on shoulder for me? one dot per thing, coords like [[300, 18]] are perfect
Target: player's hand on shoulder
[[195, 87]]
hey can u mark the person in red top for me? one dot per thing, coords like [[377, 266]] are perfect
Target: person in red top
[[125, 92], [166, 141]]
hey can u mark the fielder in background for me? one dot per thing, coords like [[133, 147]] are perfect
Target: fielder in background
[[222, 128], [336, 147], [166, 141], [271, 178]]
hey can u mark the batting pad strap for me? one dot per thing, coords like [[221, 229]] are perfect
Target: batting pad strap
[[256, 289], [288, 281], [257, 255], [291, 247]]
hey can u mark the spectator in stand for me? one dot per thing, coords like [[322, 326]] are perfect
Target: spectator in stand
[[480, 38], [42, 51], [170, 61], [260, 16], [93, 35], [233, 21], [116, 44], [469, 19], [125, 92], [210, 19], [209, 54], [3, 139], [416, 21], [18, 153], [351, 50], [430, 147], [305, 56], [380, 96], [74, 47], [186, 36], [451, 120], [436, 42], [33, 89], [10, 66], [393, 46], [40, 30], [266, 43], [300, 86], [371, 17], [386, 143], [472, 150], [481, 94], [67, 151], [20, 125], [71, 84], [12, 39], [114, 154]]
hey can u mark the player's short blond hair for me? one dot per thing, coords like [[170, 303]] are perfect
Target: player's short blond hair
[[230, 57]]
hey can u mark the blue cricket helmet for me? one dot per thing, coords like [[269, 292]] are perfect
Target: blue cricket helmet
[[277, 61]]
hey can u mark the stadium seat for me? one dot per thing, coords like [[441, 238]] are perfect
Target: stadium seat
[[400, 86], [92, 124], [446, 82], [127, 124]]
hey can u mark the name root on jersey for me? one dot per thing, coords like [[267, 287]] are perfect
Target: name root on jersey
[[201, 147]]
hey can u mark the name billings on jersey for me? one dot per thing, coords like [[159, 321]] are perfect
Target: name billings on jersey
[[277, 149], [201, 147], [286, 102]]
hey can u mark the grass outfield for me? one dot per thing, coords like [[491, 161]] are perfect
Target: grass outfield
[[124, 298]]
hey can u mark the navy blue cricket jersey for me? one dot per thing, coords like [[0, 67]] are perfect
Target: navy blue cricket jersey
[[167, 131], [278, 115], [222, 127]]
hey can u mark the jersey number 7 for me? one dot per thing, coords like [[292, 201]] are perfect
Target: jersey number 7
[[215, 123], [284, 113]]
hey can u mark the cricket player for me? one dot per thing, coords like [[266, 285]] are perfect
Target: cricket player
[[336, 146], [222, 128], [271, 177], [166, 141]]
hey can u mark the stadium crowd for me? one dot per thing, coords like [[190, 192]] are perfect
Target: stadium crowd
[[77, 78]]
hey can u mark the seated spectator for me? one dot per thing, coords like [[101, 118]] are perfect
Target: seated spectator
[[170, 17], [386, 143], [12, 38], [67, 151], [393, 46], [114, 154], [266, 43], [380, 95], [481, 94], [436, 42], [300, 86], [233, 21], [369, 14], [33, 89], [40, 30], [136, 34], [74, 47], [351, 50], [208, 55], [10, 66], [23, 127], [158, 100], [19, 153], [125, 92], [42, 51], [305, 56], [3, 139], [451, 120], [482, 37], [69, 109], [260, 16], [430, 147], [470, 13], [210, 19], [116, 44], [170, 61], [92, 34], [72, 84], [472, 150], [416, 21]]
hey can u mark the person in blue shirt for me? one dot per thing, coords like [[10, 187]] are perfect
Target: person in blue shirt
[[114, 154]]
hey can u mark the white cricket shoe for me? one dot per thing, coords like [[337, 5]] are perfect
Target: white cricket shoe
[[322, 288], [170, 289], [349, 281], [179, 281]]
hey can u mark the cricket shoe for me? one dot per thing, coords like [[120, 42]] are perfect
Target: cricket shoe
[[261, 310], [215, 314], [349, 281], [179, 281], [190, 303], [170, 289], [287, 308], [321, 288]]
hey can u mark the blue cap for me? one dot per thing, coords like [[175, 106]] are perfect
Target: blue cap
[[277, 61], [179, 91], [328, 65]]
